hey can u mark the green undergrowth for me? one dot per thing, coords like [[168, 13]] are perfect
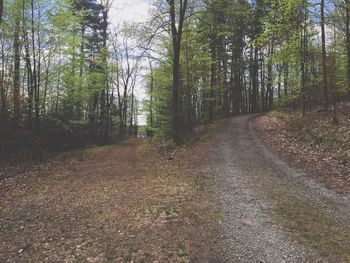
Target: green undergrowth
[[98, 149], [106, 147]]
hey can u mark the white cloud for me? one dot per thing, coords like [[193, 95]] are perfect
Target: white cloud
[[129, 11]]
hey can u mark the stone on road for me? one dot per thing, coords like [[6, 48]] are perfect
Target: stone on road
[[241, 170]]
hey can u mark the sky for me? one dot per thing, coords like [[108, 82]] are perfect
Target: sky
[[131, 11]]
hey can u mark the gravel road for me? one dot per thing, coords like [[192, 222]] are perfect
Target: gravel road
[[242, 171]]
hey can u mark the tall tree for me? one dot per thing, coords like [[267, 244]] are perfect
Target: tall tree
[[347, 30], [177, 20], [1, 10], [16, 68], [324, 56], [105, 93]]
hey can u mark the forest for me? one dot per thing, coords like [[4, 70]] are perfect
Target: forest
[[68, 75], [175, 131]]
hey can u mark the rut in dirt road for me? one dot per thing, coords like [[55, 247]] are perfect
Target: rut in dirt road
[[250, 184]]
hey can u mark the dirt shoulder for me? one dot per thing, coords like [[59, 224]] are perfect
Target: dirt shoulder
[[311, 143], [114, 204]]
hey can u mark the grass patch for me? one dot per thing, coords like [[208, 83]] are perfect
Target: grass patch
[[99, 149], [95, 149], [312, 227]]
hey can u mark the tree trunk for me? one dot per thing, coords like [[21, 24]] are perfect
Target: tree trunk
[[279, 84], [4, 113], [151, 95], [255, 80], [105, 91], [347, 24], [176, 31], [189, 108], [250, 87], [285, 80], [176, 86], [29, 79], [38, 83], [124, 111], [212, 81], [270, 79], [1, 10], [324, 57], [263, 98], [36, 68], [303, 63], [131, 128], [81, 69], [16, 74]]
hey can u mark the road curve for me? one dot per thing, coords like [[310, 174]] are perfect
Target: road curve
[[242, 171]]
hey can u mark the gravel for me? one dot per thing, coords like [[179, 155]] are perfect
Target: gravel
[[239, 169]]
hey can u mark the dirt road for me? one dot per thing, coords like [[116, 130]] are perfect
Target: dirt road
[[269, 211], [226, 199]]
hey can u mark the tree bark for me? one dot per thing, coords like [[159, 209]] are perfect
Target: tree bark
[[176, 32], [4, 112], [1, 10], [16, 74], [255, 80], [347, 24], [269, 99], [285, 80], [303, 47], [36, 68], [105, 92], [324, 57], [212, 81], [151, 95]]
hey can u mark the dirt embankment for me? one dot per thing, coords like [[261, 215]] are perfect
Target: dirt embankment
[[313, 143]]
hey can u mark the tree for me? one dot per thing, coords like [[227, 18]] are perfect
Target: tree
[[60, 65], [176, 34], [16, 69], [127, 58], [324, 56], [347, 25], [1, 10]]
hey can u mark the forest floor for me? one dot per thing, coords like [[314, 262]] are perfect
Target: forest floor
[[313, 143], [124, 203], [226, 197]]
